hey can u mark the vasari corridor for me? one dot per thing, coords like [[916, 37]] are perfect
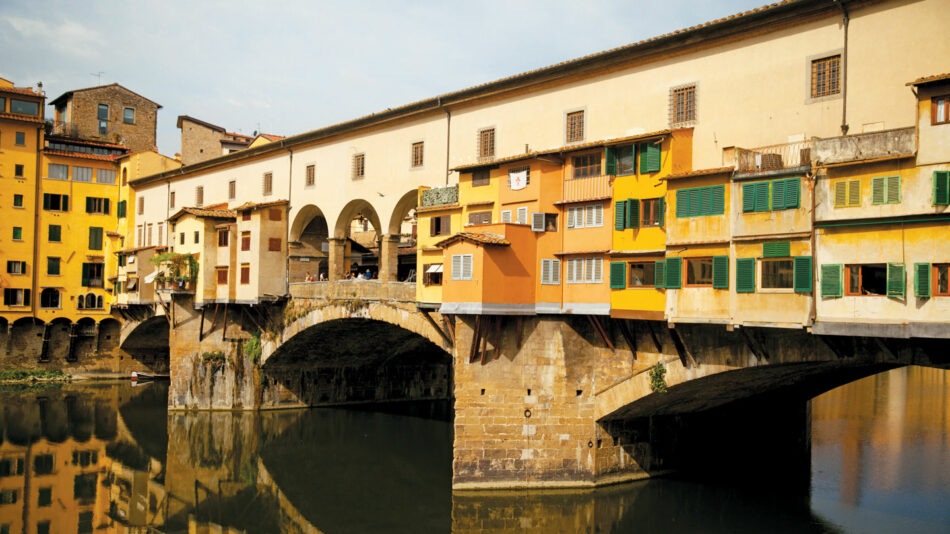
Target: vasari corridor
[[697, 281]]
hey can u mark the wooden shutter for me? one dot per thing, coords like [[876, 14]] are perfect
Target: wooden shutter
[[762, 196], [802, 274], [705, 201], [649, 158], [941, 189], [467, 267], [105, 206], [745, 275], [659, 274], [537, 221], [65, 202], [793, 188], [85, 275], [748, 198], [619, 209], [878, 190], [46, 200], [720, 272], [633, 213], [922, 280], [610, 161], [895, 279], [778, 195], [456, 267], [90, 205], [674, 272], [682, 203], [831, 282], [854, 193], [841, 194], [432, 226], [778, 249], [661, 211], [695, 204], [618, 275], [893, 189], [718, 200]]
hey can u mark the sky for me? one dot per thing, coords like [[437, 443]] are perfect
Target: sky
[[287, 67]]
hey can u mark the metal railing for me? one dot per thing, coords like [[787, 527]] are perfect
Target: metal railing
[[587, 188], [774, 157]]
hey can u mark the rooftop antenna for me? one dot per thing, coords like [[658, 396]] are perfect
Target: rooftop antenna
[[98, 76]]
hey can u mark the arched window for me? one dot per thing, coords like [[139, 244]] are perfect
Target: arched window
[[49, 298], [81, 302], [90, 300], [99, 302]]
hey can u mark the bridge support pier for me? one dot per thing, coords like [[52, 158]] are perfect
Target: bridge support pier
[[336, 266], [388, 257]]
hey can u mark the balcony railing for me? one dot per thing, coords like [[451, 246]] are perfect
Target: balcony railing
[[587, 188], [774, 157], [68, 129], [354, 289], [865, 146]]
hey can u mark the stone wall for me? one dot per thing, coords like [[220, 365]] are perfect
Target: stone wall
[[199, 143], [137, 136]]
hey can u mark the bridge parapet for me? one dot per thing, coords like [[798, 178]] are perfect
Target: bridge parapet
[[354, 289]]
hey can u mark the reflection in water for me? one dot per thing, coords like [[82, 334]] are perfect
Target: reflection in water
[[110, 459]]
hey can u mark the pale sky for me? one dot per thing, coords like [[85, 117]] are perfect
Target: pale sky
[[287, 67]]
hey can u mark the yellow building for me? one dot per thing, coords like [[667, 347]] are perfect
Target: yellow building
[[439, 215]]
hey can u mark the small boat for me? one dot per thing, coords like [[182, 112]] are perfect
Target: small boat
[[136, 376]]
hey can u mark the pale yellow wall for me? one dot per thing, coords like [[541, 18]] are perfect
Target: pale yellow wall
[[916, 190], [933, 139], [703, 303], [768, 307], [790, 220]]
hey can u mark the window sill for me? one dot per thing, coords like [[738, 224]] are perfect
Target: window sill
[[776, 291], [640, 287]]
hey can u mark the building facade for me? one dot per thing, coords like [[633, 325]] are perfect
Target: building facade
[[108, 113]]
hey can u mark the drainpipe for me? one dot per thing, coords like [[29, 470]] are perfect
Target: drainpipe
[[844, 69], [40, 130], [290, 181], [813, 314], [448, 138]]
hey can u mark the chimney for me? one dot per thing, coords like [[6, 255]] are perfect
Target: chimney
[[39, 88]]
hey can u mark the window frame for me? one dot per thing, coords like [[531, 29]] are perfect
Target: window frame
[[219, 279], [654, 213], [245, 274], [846, 279], [359, 166], [19, 170], [50, 175], [428, 278], [553, 270], [481, 177], [460, 275], [595, 164], [629, 274], [232, 189], [575, 126], [690, 259], [760, 278], [126, 119], [683, 104], [19, 138], [417, 154], [485, 141], [935, 102], [245, 241], [310, 175], [935, 273], [832, 62], [18, 201], [224, 237]]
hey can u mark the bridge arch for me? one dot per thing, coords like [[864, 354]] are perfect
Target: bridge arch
[[309, 250], [403, 207], [353, 209]]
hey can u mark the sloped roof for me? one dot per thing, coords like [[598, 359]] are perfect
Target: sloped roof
[[197, 121], [68, 94], [699, 172], [250, 206], [930, 79], [479, 238], [201, 212]]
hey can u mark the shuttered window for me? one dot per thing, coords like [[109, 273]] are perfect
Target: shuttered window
[[720, 268], [222, 275], [633, 213], [575, 126], [120, 209], [674, 273], [461, 267], [479, 217], [595, 215], [522, 215], [232, 189], [618, 273], [886, 190], [620, 215], [803, 274], [649, 158], [506, 216], [95, 238], [745, 275], [273, 244], [480, 177], [941, 188], [486, 144], [551, 272], [776, 249], [659, 270], [922, 280], [619, 160], [831, 280], [700, 201], [268, 183], [594, 270], [245, 273], [199, 196], [896, 279], [311, 175], [847, 193], [772, 195]]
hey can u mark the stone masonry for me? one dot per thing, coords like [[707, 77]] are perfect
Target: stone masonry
[[84, 121]]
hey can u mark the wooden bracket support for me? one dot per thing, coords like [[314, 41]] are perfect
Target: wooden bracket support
[[686, 357], [599, 328], [477, 331], [656, 340], [435, 325], [754, 346], [628, 336], [201, 325]]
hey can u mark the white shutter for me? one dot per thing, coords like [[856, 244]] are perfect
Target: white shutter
[[545, 271], [570, 217], [555, 271], [522, 215], [456, 267], [598, 214], [466, 267], [598, 264], [590, 216], [537, 221], [590, 270], [506, 216]]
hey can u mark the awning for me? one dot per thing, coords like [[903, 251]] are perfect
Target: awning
[[130, 285], [434, 268], [150, 277]]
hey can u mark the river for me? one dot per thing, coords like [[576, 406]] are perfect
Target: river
[[108, 458]]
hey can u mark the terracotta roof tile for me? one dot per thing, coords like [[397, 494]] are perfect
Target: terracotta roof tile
[[18, 117], [68, 154], [930, 79], [479, 238], [29, 91], [271, 137], [83, 141], [202, 212], [699, 172], [259, 205]]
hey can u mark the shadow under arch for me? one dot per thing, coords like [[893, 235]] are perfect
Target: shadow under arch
[[350, 211], [26, 337], [147, 343]]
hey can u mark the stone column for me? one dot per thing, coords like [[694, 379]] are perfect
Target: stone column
[[388, 257], [337, 258]]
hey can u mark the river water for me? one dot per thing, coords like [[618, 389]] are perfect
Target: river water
[[109, 459]]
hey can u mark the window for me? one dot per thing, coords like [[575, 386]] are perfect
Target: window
[[940, 109], [506, 216], [149, 229], [941, 188], [642, 274], [699, 271], [683, 104], [92, 275], [245, 273], [246, 215], [417, 154], [440, 225], [268, 183], [522, 215], [84, 488], [52, 266], [625, 160], [479, 217], [82, 174], [550, 272], [778, 274], [85, 525], [480, 177], [700, 201], [45, 497], [140, 235], [42, 527], [461, 267], [825, 75], [161, 233], [55, 233], [16, 297], [575, 126], [359, 166], [11, 467], [17, 233], [594, 270], [125, 176], [865, 279], [128, 115], [311, 174], [105, 176], [8, 496], [575, 270], [103, 112], [650, 211], [20, 138], [98, 206], [275, 214], [223, 237], [273, 244], [588, 165], [49, 298], [486, 143], [16, 267], [518, 177], [847, 193], [24, 107], [432, 274], [17, 201], [196, 237], [584, 270], [245, 241], [589, 216], [18, 170], [650, 160], [199, 196], [181, 238], [773, 195], [171, 200], [886, 190], [58, 172], [941, 279], [232, 189], [221, 274]]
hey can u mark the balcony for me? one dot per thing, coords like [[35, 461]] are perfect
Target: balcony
[[439, 196], [68, 129], [774, 158], [587, 188], [865, 146]]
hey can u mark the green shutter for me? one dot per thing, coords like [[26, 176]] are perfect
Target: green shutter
[[26, 297], [618, 275], [793, 188], [120, 209], [721, 272], [682, 203], [748, 198], [893, 189], [661, 209], [831, 282], [88, 204], [895, 279], [659, 273], [633, 213], [841, 194], [611, 161], [649, 158], [85, 275], [674, 272], [777, 249], [745, 275], [46, 201], [618, 215], [65, 202], [803, 275], [778, 195], [718, 200], [762, 196], [95, 238], [105, 206], [941, 188], [55, 233], [922, 280], [877, 190], [695, 202], [705, 201]]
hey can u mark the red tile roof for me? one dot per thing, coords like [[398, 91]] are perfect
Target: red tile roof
[[479, 238], [68, 94], [237, 135], [930, 79], [271, 137], [24, 118], [699, 172], [200, 212], [29, 91], [80, 155], [250, 206]]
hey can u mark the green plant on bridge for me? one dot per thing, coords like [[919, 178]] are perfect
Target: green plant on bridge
[[658, 378], [213, 357], [182, 267], [252, 347]]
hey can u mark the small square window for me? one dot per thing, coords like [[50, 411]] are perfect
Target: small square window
[[18, 171], [825, 76], [17, 201], [55, 233], [480, 178], [222, 275], [575, 126], [273, 244], [699, 271], [20, 138], [17, 233]]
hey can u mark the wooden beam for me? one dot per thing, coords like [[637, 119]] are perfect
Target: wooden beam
[[435, 325], [201, 325], [214, 319], [244, 310], [753, 345], [628, 337], [475, 333], [520, 327], [498, 337], [686, 358], [594, 322], [224, 331], [484, 347], [656, 340], [449, 327]]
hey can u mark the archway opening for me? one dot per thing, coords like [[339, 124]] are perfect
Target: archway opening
[[147, 343], [309, 249], [357, 232], [402, 234]]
